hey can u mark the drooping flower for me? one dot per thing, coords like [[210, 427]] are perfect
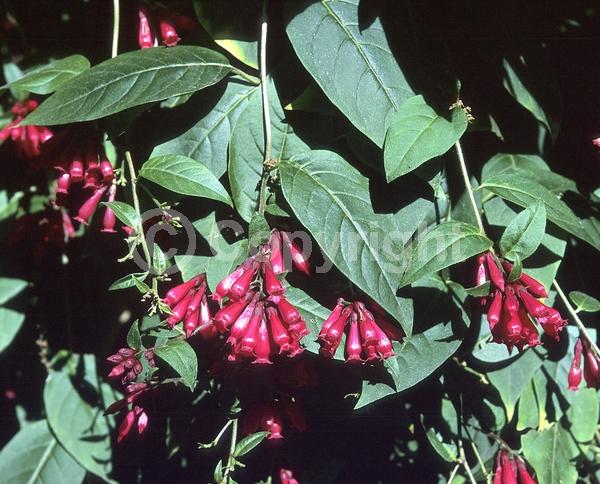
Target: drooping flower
[[511, 470], [276, 416], [146, 36], [367, 338], [27, 139], [167, 29], [286, 476], [512, 307], [591, 366], [284, 250]]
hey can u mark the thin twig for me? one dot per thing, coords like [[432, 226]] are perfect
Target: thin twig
[[454, 471], [468, 187], [578, 322], [230, 461], [465, 464], [264, 89], [136, 206], [116, 21]]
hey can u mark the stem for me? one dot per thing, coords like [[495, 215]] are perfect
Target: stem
[[116, 21], [479, 459], [454, 471], [246, 77], [468, 187], [578, 322], [136, 205], [230, 461], [465, 464], [264, 89]]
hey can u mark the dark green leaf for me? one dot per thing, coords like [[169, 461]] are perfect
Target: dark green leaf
[[34, 456], [207, 140], [10, 324], [529, 416], [524, 234], [445, 451], [183, 175], [159, 260], [248, 443], [246, 150], [131, 79], [331, 199], [134, 339], [516, 270], [582, 415], [141, 285], [550, 453], [125, 213], [417, 134], [51, 77], [584, 302], [180, 356], [444, 245], [351, 61], [258, 230], [10, 287], [127, 281], [479, 291]]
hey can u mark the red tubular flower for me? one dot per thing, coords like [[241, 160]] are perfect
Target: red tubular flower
[[575, 373], [197, 299], [552, 323], [222, 289], [335, 332], [298, 258], [167, 30], [109, 221], [272, 285], [180, 309], [591, 370], [278, 332], [332, 318], [142, 420], [524, 476], [238, 329], [533, 306], [287, 477], [535, 287], [63, 183], [242, 284], [126, 425], [353, 345], [191, 322], [106, 170], [177, 293], [89, 206], [493, 315], [67, 224], [76, 170], [508, 471], [146, 37], [263, 344], [288, 312], [247, 344], [276, 254], [229, 313], [496, 275]]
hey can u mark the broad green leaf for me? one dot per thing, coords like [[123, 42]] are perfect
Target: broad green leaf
[[523, 95], [129, 80], [10, 287], [351, 62], [581, 419], [528, 413], [438, 308], [206, 140], [528, 166], [191, 265], [248, 443], [237, 33], [524, 234], [246, 150], [550, 453], [159, 259], [49, 78], [180, 356], [125, 213], [34, 456], [140, 285], [417, 134], [331, 199], [444, 450], [183, 175], [9, 207], [479, 291], [10, 324], [258, 230], [511, 380], [444, 245], [134, 339], [525, 192], [74, 401], [584, 302], [127, 281]]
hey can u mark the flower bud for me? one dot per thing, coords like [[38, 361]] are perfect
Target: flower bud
[[276, 257], [142, 422], [126, 425], [176, 294], [241, 286], [180, 310], [89, 206], [167, 30], [332, 318], [495, 309], [496, 275], [533, 306], [298, 258], [535, 287], [575, 373], [288, 312], [146, 37], [229, 313], [272, 285]]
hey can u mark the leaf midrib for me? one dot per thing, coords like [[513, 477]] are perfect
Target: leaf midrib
[[44, 459]]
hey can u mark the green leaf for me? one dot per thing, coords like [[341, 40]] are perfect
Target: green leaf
[[528, 166], [525, 192], [207, 140], [444, 245], [550, 453], [246, 153], [516, 270], [134, 339], [445, 451], [10, 324], [248, 443], [9, 207], [258, 230], [479, 291], [331, 199], [524, 234], [417, 134], [34, 456], [180, 356], [350, 60], [10, 287], [528, 413], [235, 33], [49, 78], [128, 281], [584, 302], [183, 175], [159, 260], [74, 403], [131, 79], [511, 380], [581, 418], [140, 285], [125, 213]]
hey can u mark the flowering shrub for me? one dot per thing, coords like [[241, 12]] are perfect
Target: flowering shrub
[[299, 241]]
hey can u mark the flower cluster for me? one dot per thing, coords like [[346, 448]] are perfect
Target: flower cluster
[[127, 363], [511, 470], [284, 249], [188, 303], [367, 338], [270, 416], [260, 321], [167, 23], [591, 369], [27, 139], [513, 305]]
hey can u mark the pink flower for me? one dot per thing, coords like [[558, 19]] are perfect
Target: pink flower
[[89, 206], [167, 30], [146, 37]]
